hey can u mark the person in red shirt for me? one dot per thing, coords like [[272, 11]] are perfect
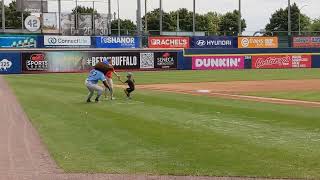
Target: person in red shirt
[[110, 81]]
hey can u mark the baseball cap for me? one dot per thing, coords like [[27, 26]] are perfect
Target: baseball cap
[[129, 74]]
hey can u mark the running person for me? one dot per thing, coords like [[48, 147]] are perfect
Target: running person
[[110, 81], [131, 83], [92, 84]]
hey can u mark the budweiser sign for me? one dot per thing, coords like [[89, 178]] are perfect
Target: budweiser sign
[[281, 62]]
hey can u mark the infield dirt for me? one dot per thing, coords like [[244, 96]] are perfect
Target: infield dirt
[[233, 90]]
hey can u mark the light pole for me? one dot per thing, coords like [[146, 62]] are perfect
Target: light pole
[[239, 20], [289, 18], [3, 16], [59, 15], [109, 17], [194, 18], [300, 18], [161, 14], [139, 21], [145, 16], [119, 25]]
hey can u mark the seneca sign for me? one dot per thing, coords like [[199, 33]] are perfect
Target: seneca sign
[[217, 62]]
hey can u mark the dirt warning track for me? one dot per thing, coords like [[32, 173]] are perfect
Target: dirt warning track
[[234, 90]]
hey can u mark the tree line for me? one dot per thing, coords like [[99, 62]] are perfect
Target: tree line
[[212, 23]]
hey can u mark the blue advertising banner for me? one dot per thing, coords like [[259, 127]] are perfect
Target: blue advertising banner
[[213, 42], [10, 63], [19, 42], [116, 42]]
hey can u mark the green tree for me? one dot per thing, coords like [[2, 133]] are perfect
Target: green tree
[[279, 20], [213, 22], [83, 10], [186, 18], [315, 25], [127, 27], [154, 22], [13, 17], [228, 24]]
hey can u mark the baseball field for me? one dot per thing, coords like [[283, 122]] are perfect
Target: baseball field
[[252, 123]]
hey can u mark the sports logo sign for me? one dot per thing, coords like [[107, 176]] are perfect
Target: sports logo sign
[[34, 62], [217, 62], [258, 42], [281, 62], [67, 41], [169, 42]]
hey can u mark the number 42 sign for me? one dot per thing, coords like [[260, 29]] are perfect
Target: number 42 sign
[[32, 23]]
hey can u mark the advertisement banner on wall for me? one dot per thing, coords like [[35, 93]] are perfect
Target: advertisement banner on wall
[[158, 60], [281, 61], [306, 42], [67, 41], [169, 42], [117, 42], [76, 61], [213, 42], [217, 62], [10, 63], [258, 42], [19, 42]]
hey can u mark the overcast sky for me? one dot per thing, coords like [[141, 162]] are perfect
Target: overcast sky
[[256, 12]]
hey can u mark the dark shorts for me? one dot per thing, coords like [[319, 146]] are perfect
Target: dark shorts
[[129, 90]]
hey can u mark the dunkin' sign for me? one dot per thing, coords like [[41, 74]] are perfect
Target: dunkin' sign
[[169, 42], [281, 61], [217, 62]]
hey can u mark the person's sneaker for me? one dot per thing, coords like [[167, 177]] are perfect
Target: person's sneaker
[[96, 100], [125, 91], [88, 101]]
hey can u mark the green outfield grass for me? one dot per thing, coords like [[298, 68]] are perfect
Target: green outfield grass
[[205, 76], [167, 133]]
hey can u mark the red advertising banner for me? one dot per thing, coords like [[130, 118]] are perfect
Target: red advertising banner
[[281, 61], [217, 62], [306, 42], [169, 42]]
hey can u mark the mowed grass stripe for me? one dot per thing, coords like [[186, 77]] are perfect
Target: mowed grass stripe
[[313, 96], [170, 133], [191, 76]]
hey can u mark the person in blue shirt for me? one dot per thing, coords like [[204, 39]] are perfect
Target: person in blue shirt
[[92, 84]]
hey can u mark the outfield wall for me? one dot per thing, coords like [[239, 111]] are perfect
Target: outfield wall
[[82, 60], [264, 58]]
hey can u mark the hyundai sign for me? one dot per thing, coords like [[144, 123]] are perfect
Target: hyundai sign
[[213, 42], [67, 41], [117, 42]]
